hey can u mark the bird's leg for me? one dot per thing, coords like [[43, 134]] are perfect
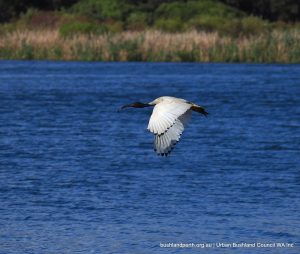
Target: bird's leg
[[199, 109]]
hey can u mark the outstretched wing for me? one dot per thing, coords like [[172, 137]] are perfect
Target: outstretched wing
[[164, 143], [165, 114]]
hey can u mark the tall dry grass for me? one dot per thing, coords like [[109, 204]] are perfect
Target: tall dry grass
[[275, 47]]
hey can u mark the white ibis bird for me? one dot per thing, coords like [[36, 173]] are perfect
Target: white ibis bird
[[168, 120]]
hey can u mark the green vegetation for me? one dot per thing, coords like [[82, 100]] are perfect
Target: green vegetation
[[100, 10], [275, 10], [77, 27], [192, 46], [233, 17], [119, 30]]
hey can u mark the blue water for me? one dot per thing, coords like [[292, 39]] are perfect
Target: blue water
[[76, 176]]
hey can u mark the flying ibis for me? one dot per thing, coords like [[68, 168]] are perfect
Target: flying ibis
[[168, 120]]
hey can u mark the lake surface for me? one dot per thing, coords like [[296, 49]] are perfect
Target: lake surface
[[76, 176]]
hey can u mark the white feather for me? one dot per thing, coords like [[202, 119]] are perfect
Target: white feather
[[165, 114], [164, 143]]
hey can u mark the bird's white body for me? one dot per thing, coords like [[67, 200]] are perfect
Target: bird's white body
[[165, 113], [168, 120]]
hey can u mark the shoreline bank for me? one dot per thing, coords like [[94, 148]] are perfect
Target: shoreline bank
[[152, 46]]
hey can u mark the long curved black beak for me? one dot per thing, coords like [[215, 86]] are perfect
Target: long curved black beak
[[126, 106], [135, 105]]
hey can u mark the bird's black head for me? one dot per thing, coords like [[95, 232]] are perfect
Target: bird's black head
[[136, 105]]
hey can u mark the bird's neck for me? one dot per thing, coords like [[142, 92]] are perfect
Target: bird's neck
[[140, 105]]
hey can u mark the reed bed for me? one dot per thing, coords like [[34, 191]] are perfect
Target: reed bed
[[192, 46]]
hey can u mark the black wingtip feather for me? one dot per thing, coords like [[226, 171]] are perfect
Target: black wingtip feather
[[199, 109]]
